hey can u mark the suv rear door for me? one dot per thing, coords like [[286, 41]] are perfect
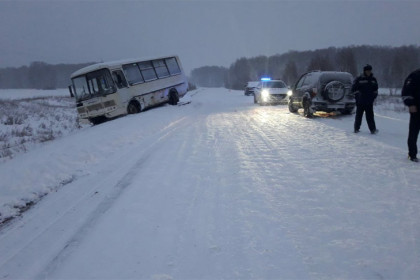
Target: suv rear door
[[300, 88]]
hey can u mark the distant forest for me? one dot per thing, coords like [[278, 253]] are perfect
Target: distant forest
[[390, 65], [38, 75]]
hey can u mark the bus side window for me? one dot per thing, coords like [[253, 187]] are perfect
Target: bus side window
[[160, 68], [119, 79], [173, 66], [147, 70]]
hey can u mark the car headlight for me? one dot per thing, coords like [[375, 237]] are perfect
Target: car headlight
[[265, 93], [289, 93]]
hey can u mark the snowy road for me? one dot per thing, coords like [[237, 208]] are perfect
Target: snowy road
[[219, 189]]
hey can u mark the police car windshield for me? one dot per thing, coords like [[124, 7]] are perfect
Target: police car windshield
[[274, 84]]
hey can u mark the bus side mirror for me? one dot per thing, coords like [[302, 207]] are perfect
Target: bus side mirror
[[71, 91]]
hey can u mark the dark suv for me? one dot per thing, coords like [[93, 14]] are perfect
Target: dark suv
[[323, 91], [250, 88]]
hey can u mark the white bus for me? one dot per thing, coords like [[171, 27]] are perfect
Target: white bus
[[110, 89]]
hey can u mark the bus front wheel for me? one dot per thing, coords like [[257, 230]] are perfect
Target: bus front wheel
[[98, 120], [133, 107]]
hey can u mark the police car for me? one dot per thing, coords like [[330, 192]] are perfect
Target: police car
[[271, 91]]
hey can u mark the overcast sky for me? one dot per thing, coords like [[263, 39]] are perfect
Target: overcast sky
[[201, 32]]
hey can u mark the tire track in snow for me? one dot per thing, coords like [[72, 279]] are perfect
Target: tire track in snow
[[266, 162], [116, 192], [240, 207], [219, 231], [107, 196], [323, 194]]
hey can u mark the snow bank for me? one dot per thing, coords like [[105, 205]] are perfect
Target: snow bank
[[24, 123], [33, 166]]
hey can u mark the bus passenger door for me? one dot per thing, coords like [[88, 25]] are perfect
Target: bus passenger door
[[121, 82]]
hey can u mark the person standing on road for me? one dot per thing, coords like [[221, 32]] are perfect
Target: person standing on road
[[411, 97], [365, 88]]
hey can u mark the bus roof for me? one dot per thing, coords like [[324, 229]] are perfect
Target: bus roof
[[115, 63]]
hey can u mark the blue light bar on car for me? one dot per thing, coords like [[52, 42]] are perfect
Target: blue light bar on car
[[265, 79]]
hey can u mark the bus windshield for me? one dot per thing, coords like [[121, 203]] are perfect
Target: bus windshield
[[93, 84]]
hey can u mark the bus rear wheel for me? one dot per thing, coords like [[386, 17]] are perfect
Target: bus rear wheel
[[173, 97], [133, 107]]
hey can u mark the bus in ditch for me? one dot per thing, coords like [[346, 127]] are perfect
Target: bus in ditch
[[110, 89]]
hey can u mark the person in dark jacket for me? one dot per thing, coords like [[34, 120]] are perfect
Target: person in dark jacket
[[411, 97], [365, 88]]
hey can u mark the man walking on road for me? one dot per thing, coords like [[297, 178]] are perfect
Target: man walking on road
[[365, 88], [411, 97]]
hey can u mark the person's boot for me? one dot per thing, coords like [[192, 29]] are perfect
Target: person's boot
[[414, 159]]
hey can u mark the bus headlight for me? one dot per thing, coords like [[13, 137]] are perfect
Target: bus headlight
[[265, 93], [289, 93]]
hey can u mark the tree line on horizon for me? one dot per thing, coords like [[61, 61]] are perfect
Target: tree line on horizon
[[38, 75], [390, 66]]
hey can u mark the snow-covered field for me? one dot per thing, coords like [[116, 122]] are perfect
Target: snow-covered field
[[217, 189], [16, 94], [31, 117], [389, 91]]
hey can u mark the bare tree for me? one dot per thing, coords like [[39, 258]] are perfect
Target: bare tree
[[320, 63], [209, 76], [346, 61], [290, 75], [239, 74]]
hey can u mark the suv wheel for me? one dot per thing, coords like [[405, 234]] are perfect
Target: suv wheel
[[292, 109], [307, 112]]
